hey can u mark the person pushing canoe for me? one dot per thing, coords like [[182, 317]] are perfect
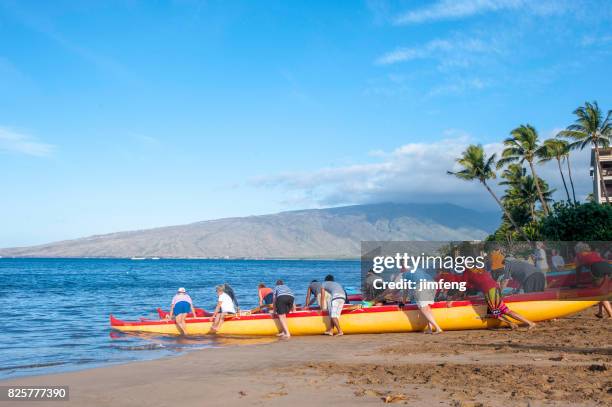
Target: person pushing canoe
[[334, 296], [480, 280], [284, 303], [225, 306], [180, 308]]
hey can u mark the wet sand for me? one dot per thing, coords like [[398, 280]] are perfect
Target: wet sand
[[563, 362]]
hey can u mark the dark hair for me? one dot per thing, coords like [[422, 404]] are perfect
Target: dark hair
[[261, 285], [279, 282], [329, 277], [314, 281]]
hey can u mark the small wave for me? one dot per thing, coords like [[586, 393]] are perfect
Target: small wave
[[152, 346], [32, 366]]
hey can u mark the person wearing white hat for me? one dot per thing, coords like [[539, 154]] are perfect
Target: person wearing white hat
[[181, 306]]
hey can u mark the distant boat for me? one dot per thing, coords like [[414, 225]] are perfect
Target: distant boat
[[154, 258], [138, 258]]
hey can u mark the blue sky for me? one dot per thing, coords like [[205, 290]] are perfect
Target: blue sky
[[120, 115]]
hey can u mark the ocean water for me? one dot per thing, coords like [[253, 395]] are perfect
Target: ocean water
[[56, 311]]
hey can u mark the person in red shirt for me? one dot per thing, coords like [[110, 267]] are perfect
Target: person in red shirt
[[600, 269], [481, 280], [265, 294]]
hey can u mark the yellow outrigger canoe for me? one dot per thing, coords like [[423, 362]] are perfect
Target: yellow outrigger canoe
[[454, 315]]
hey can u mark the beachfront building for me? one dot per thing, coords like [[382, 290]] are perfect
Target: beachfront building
[[605, 158]]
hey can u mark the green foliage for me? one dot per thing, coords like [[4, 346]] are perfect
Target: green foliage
[[523, 218], [589, 221], [590, 127], [475, 165]]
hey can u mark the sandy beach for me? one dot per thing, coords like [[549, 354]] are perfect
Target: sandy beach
[[563, 362]]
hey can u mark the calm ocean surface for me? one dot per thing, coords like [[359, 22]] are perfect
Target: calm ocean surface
[[55, 311]]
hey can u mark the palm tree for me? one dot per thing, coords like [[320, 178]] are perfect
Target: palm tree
[[522, 147], [569, 170], [591, 129], [558, 150], [528, 194], [477, 166]]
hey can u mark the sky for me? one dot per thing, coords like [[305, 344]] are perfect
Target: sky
[[121, 115]]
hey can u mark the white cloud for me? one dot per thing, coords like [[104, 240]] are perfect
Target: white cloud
[[589, 40], [15, 142], [459, 86], [449, 51], [456, 9], [413, 172]]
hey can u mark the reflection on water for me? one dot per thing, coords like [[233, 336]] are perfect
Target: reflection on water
[[122, 340]]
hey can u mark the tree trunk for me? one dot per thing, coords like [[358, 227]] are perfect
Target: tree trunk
[[563, 179], [569, 172], [532, 210], [537, 183], [505, 211], [601, 180]]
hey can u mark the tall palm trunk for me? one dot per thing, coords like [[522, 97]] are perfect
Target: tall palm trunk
[[601, 179], [505, 211], [537, 183], [569, 172], [563, 179]]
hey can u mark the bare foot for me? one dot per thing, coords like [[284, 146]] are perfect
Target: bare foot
[[329, 333], [531, 326], [340, 333], [280, 334]]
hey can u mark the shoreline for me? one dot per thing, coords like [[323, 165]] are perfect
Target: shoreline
[[186, 258], [564, 362]]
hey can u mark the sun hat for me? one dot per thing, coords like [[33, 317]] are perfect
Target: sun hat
[[181, 290]]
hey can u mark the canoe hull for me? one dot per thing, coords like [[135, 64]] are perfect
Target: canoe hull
[[383, 319]]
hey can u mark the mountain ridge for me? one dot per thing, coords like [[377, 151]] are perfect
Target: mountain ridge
[[307, 233]]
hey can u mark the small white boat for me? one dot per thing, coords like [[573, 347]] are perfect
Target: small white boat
[[138, 258], [154, 258]]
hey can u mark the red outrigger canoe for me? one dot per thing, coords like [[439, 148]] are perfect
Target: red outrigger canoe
[[454, 315]]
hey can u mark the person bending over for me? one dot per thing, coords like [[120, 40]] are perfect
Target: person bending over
[[181, 306], [284, 302], [265, 295], [225, 306], [334, 295], [313, 294], [481, 280], [601, 270]]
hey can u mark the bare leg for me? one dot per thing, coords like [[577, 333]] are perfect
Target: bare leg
[[180, 324], [521, 318], [605, 305], [282, 318], [431, 321], [218, 322], [336, 323]]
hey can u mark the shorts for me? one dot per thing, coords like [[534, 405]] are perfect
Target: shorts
[[284, 304], [534, 283], [182, 307], [497, 306], [268, 299], [601, 269], [422, 298], [335, 307]]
